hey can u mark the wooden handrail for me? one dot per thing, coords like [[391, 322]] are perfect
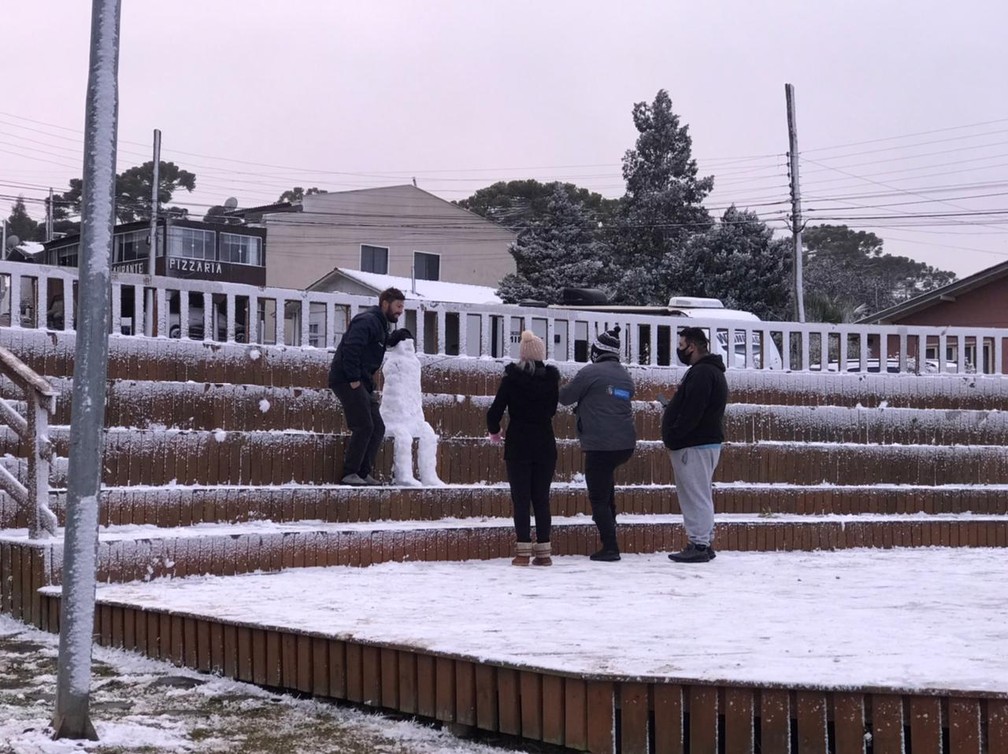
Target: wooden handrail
[[23, 375], [33, 429]]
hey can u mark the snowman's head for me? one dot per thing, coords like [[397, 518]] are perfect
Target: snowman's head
[[401, 342]]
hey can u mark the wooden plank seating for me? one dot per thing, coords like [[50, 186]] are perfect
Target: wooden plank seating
[[192, 457], [249, 408], [221, 459], [143, 556], [331, 503]]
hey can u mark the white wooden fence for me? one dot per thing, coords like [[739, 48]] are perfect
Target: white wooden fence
[[35, 296]]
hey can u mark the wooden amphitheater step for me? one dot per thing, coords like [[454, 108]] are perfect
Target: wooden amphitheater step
[[158, 458], [164, 359], [606, 710], [140, 553], [207, 406], [183, 506], [150, 457]]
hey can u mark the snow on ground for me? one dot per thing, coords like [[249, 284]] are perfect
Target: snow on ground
[[911, 618], [140, 705]]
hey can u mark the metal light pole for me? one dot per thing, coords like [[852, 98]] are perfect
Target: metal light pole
[[87, 419], [152, 252]]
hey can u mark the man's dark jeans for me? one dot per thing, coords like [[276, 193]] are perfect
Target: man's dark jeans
[[530, 489], [600, 478], [367, 430]]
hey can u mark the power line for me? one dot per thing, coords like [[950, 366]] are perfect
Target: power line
[[907, 136]]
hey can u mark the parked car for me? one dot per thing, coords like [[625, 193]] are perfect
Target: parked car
[[873, 365], [709, 311], [195, 330]]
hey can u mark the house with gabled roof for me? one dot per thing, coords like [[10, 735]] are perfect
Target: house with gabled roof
[[402, 231], [979, 300]]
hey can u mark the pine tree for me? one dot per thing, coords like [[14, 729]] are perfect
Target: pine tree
[[850, 269], [19, 223], [739, 262], [133, 188], [519, 205], [562, 249], [663, 205]]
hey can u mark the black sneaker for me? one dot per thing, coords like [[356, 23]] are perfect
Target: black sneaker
[[606, 556], [693, 553]]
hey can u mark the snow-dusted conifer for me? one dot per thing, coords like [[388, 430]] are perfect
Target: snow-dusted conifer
[[663, 205], [564, 249]]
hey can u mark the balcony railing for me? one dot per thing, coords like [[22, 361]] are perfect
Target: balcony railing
[[35, 296]]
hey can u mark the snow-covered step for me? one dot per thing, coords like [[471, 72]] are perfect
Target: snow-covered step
[[163, 359], [155, 458], [278, 458], [129, 553], [207, 406], [530, 652], [177, 505]]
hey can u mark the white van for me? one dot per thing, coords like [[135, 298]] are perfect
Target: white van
[[709, 313], [712, 309]]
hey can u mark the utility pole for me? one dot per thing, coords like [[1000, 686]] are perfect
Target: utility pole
[[49, 217], [152, 252], [87, 417], [796, 221]]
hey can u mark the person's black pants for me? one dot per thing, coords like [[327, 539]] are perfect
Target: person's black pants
[[600, 477], [530, 488], [367, 430]]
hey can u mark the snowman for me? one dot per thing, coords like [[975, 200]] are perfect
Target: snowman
[[402, 412]]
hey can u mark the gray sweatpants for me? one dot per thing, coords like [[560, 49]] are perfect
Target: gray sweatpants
[[694, 470]]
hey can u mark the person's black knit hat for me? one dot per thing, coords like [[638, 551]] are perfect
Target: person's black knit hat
[[608, 341]]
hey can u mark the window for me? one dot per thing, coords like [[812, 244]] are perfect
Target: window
[[191, 243], [68, 255], [131, 246], [426, 266], [238, 249], [374, 259]]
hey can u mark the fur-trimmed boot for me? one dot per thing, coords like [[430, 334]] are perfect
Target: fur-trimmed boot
[[541, 550], [523, 551]]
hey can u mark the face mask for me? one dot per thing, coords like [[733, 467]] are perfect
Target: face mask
[[683, 354]]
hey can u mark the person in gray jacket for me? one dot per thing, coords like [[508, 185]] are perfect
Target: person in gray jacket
[[601, 394]]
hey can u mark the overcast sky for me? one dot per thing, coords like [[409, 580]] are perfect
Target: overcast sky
[[902, 106]]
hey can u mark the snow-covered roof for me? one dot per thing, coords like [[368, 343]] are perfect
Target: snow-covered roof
[[30, 248], [711, 313], [430, 290], [944, 294]]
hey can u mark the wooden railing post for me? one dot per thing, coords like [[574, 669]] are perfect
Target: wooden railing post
[[41, 520]]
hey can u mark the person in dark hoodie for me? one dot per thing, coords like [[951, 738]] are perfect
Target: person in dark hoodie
[[351, 377], [602, 392], [528, 392], [693, 430]]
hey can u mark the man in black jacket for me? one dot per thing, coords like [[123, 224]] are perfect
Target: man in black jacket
[[351, 377], [693, 430]]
